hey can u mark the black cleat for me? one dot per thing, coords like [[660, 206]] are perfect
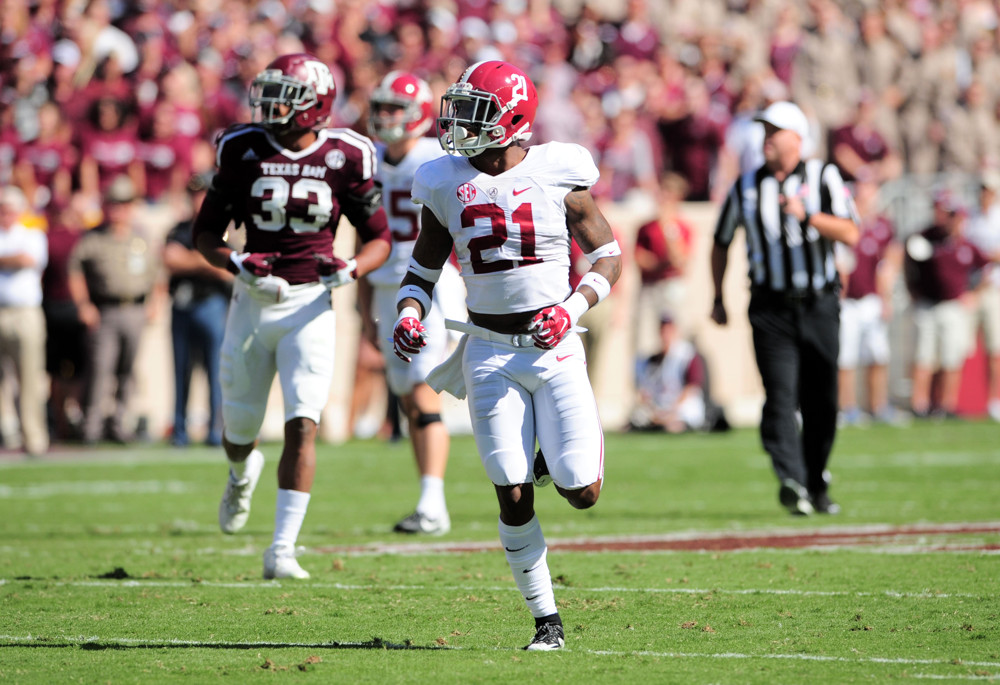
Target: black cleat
[[548, 637]]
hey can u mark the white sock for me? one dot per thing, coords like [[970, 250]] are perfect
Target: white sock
[[431, 502], [239, 468], [288, 516], [526, 554]]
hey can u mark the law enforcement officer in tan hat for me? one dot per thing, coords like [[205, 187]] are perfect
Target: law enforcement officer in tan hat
[[116, 282]]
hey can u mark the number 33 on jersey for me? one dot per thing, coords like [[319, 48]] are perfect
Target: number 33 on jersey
[[509, 230], [291, 202]]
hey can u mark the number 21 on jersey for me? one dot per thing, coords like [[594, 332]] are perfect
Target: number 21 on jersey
[[523, 224]]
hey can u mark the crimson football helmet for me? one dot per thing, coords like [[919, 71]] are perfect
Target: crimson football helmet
[[492, 105], [400, 89], [294, 92]]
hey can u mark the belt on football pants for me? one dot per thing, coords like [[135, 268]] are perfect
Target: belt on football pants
[[514, 340]]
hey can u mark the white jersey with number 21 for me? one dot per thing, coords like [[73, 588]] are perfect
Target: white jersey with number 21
[[509, 230]]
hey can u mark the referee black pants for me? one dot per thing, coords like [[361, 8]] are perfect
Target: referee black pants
[[796, 342]]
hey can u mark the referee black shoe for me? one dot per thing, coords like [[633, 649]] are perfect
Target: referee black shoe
[[795, 498], [823, 504]]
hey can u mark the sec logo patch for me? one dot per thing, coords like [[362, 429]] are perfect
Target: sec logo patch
[[466, 193], [335, 159]]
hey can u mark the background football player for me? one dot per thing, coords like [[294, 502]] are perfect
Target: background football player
[[287, 179], [401, 113], [509, 213]]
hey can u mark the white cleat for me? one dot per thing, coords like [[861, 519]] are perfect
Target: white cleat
[[279, 562], [418, 522], [234, 509]]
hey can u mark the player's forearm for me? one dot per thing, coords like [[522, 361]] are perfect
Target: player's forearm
[[372, 255], [835, 228], [214, 249], [720, 259]]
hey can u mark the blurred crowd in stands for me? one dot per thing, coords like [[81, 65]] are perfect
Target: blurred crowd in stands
[[661, 91]]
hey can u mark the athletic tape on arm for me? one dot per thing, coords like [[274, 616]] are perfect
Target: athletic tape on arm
[[612, 249], [421, 271]]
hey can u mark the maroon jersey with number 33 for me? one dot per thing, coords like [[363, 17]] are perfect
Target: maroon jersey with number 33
[[291, 201]]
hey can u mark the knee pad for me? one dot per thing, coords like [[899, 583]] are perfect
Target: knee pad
[[424, 420]]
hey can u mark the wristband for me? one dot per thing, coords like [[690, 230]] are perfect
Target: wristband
[[597, 282], [418, 294], [576, 305]]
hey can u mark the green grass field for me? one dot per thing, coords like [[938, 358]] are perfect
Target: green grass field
[[112, 570]]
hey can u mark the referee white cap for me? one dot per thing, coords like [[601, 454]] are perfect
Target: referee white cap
[[786, 115]]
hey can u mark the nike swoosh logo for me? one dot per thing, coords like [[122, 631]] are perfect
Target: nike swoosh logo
[[560, 359], [528, 570], [523, 190], [515, 550]]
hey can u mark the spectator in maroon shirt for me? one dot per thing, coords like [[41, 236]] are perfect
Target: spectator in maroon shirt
[[165, 156], [662, 248], [221, 105], [860, 150], [180, 88], [64, 349], [786, 41], [626, 158], [869, 270], [693, 141], [939, 264], [9, 143], [109, 147], [636, 36], [44, 167]]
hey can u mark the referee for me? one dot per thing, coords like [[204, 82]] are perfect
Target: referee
[[793, 212]]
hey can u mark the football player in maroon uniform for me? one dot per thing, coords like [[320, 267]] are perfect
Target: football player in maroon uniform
[[287, 180]]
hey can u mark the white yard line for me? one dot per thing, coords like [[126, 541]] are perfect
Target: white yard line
[[154, 642], [95, 488], [274, 584]]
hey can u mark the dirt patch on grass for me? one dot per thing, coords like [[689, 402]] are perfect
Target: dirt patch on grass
[[947, 537]]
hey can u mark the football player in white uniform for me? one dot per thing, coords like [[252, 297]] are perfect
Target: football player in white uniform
[[401, 112], [287, 179], [510, 213]]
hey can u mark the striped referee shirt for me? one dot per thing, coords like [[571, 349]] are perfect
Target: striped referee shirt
[[783, 255]]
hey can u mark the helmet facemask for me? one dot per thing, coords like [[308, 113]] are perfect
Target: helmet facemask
[[271, 91], [469, 121], [386, 124]]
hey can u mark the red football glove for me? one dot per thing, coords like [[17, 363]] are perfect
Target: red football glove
[[249, 266], [408, 336], [550, 326]]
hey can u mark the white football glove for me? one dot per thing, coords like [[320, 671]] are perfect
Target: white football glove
[[269, 289], [334, 273]]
